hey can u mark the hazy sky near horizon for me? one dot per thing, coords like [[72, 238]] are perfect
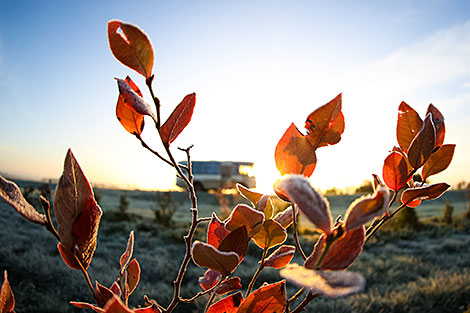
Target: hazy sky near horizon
[[256, 66]]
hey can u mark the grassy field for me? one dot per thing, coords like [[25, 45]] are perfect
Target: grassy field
[[406, 271]]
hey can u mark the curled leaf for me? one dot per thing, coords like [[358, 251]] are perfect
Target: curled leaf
[[132, 47], [408, 126], [178, 119], [102, 295], [243, 215], [429, 192], [127, 255], [325, 125], [331, 284], [422, 145], [270, 235], [209, 280], [342, 252], [115, 305], [395, 171], [365, 208], [439, 125], [205, 255], [294, 154], [280, 257], [133, 100], [229, 285], [11, 193], [438, 161], [248, 194], [267, 299], [7, 299], [228, 304], [315, 207], [285, 218], [130, 119]]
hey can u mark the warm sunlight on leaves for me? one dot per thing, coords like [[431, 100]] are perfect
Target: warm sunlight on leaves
[[205, 255], [270, 235], [178, 119], [280, 257], [132, 47], [429, 192], [439, 126], [216, 231], [243, 215], [133, 100], [438, 161], [408, 126], [7, 299], [228, 304], [267, 299], [132, 121], [236, 241], [422, 145], [395, 171], [362, 210]]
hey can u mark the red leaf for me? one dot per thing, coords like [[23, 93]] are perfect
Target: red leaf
[[179, 119], [438, 161], [438, 121], [84, 305], [395, 171], [362, 210], [209, 280], [294, 154], [133, 100], [127, 255], [343, 251], [216, 231], [243, 215], [422, 145], [115, 305], [102, 295], [408, 126], [281, 257], [132, 47], [236, 241], [132, 275], [7, 299], [229, 285], [67, 257], [130, 119], [326, 124], [77, 213], [11, 193], [429, 192], [228, 304], [205, 255], [268, 299], [150, 309]]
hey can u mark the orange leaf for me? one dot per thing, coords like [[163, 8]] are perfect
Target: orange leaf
[[395, 171], [229, 285], [209, 280], [243, 215], [330, 284], [132, 276], [68, 257], [438, 122], [326, 124], [285, 218], [216, 231], [133, 100], [438, 161], [7, 299], [11, 193], [132, 47], [115, 305], [315, 207], [77, 213], [281, 257], [248, 194], [102, 295], [271, 235], [423, 144], [178, 119], [228, 304], [205, 255], [150, 309], [84, 305], [365, 208], [267, 299], [294, 154], [236, 241], [132, 121], [342, 252], [429, 192], [127, 255], [408, 126]]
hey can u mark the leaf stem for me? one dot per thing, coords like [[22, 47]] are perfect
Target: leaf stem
[[47, 211], [258, 271], [308, 298], [85, 274], [296, 235]]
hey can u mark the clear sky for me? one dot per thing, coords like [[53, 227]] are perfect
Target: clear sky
[[256, 66]]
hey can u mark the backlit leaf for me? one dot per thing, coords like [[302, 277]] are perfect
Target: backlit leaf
[[326, 124], [133, 100], [236, 241], [102, 295], [429, 192], [294, 154], [210, 279], [331, 284], [270, 235], [132, 121], [408, 126], [205, 255], [68, 257], [131, 46], [127, 255], [84, 305], [265, 205], [438, 161], [11, 193], [422, 145], [229, 285], [342, 252], [228, 304], [178, 119], [439, 125], [132, 274], [280, 257], [267, 299], [285, 218], [395, 171], [115, 305], [315, 207], [248, 194], [216, 231], [7, 299], [243, 215], [77, 213], [365, 208]]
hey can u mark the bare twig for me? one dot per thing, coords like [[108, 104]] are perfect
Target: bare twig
[[258, 271], [296, 236]]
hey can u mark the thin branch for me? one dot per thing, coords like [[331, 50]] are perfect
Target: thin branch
[[85, 274], [47, 211], [258, 271], [144, 144], [296, 236], [202, 293], [308, 298]]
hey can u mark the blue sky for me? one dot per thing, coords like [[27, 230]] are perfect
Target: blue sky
[[256, 66]]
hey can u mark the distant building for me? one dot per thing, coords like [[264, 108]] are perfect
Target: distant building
[[212, 175]]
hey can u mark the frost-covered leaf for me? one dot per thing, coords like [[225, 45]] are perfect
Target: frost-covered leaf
[[365, 208], [178, 119], [408, 126], [266, 299], [439, 125], [130, 119], [205, 255], [127, 255], [429, 192], [280, 257], [216, 231], [438, 161], [243, 215], [133, 99], [422, 145]]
